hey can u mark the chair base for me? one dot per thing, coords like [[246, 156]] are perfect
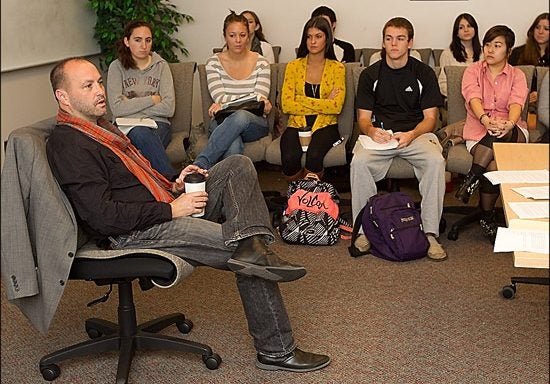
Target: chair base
[[471, 215], [127, 337], [509, 291]]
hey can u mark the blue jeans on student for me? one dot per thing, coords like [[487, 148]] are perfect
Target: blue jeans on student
[[228, 138], [234, 195], [152, 144]]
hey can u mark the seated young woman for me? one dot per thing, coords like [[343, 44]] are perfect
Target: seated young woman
[[232, 74], [495, 93], [312, 95], [258, 42], [140, 85], [463, 50]]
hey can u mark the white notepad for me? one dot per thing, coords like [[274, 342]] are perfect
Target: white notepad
[[128, 122]]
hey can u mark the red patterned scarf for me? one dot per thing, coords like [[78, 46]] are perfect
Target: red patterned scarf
[[111, 137]]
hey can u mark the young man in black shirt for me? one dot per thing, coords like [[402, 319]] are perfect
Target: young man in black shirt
[[398, 99]]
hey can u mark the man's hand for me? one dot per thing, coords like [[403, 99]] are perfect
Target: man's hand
[[380, 135], [404, 138], [188, 204], [179, 186]]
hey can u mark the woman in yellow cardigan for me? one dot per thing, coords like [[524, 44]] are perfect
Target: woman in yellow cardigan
[[313, 96]]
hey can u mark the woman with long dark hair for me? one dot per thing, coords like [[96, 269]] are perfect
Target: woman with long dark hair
[[312, 95], [464, 49]]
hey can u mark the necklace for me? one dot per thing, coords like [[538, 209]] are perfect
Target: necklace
[[314, 89]]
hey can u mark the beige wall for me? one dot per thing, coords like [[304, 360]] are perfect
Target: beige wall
[[26, 94]]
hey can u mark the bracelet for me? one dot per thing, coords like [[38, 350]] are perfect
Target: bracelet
[[481, 117]]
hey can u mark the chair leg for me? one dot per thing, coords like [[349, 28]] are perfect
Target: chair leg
[[461, 223], [98, 345], [103, 327], [126, 354], [152, 341], [157, 325]]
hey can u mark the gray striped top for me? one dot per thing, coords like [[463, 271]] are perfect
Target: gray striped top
[[224, 88]]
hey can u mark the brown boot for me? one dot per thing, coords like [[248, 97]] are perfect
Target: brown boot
[[318, 174], [297, 176]]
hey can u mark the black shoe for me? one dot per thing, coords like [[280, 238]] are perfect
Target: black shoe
[[489, 227], [253, 258], [467, 188], [295, 361]]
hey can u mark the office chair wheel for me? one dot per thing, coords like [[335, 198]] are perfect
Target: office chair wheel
[[93, 333], [453, 233], [50, 372], [508, 291], [185, 326], [213, 361]]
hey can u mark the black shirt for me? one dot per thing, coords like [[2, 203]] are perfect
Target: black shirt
[[107, 198], [398, 97], [349, 51]]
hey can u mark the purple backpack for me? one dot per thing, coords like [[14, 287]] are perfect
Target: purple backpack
[[393, 226]]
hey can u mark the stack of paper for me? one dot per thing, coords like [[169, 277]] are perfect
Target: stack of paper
[[369, 143], [126, 122]]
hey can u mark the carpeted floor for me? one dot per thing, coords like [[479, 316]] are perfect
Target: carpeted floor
[[381, 322]]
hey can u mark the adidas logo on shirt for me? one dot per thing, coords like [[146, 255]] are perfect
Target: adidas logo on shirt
[[408, 89]]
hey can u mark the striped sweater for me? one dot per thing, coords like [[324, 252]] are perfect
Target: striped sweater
[[224, 88]]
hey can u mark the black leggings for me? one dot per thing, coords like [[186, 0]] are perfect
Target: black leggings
[[322, 141]]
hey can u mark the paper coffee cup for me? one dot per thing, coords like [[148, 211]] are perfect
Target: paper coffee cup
[[195, 182], [304, 134]]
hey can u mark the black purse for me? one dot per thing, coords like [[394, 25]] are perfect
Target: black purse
[[255, 107]]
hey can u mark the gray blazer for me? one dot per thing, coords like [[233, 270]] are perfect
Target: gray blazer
[[39, 233]]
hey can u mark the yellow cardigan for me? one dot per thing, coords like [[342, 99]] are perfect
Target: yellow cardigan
[[297, 105]]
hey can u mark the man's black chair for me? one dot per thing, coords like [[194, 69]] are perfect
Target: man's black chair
[[40, 251], [151, 268]]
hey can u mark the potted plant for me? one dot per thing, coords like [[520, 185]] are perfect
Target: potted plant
[[112, 15]]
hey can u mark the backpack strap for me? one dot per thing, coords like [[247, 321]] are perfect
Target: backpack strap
[[352, 249], [345, 229]]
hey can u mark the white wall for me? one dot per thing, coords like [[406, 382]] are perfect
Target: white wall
[[26, 94]]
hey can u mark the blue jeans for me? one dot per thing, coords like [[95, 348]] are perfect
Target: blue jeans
[[234, 195], [229, 137], [152, 144]]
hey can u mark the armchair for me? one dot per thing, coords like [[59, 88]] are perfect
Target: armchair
[[183, 74], [42, 248]]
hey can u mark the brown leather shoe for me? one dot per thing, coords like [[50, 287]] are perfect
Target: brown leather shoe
[[254, 258], [295, 361]]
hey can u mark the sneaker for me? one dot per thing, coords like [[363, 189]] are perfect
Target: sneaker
[[362, 243], [435, 251], [467, 188]]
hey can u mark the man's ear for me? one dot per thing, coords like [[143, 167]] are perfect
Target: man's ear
[[62, 96]]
